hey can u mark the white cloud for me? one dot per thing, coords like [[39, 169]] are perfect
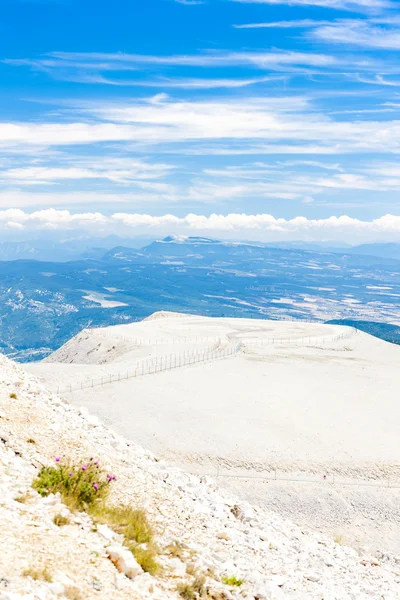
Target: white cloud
[[263, 227], [120, 61], [190, 2], [187, 83], [24, 199], [359, 33], [351, 5], [301, 23], [116, 171], [277, 124], [272, 120], [230, 185]]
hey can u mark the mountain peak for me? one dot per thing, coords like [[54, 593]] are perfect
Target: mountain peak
[[182, 239]]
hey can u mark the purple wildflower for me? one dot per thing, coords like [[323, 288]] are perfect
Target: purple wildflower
[[70, 474], [97, 463], [83, 467], [96, 486], [57, 459]]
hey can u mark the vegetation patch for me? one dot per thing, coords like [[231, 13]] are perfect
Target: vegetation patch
[[232, 581], [175, 549], [146, 558], [134, 525], [86, 487], [60, 520], [13, 395], [194, 590], [23, 499], [131, 523], [38, 574], [80, 485], [186, 591]]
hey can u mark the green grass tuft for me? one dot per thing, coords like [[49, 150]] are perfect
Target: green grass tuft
[[232, 581], [146, 558], [134, 525], [131, 523]]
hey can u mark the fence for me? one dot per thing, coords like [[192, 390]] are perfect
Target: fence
[[101, 332], [157, 365], [257, 343], [323, 479]]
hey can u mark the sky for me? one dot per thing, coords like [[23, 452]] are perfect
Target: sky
[[245, 119]]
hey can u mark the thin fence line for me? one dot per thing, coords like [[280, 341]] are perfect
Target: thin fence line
[[190, 357], [328, 480], [277, 341], [198, 339], [151, 341], [157, 365]]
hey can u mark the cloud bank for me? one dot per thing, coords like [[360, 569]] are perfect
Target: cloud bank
[[261, 227]]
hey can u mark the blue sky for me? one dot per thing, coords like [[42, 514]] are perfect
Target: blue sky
[[257, 119]]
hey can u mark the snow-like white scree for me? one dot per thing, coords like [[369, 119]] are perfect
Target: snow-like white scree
[[219, 536]]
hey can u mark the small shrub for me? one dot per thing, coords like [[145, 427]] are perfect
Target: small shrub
[[13, 395], [186, 591], [198, 585], [80, 486], [38, 574], [60, 520], [146, 558], [192, 591], [31, 441], [175, 549], [232, 581]]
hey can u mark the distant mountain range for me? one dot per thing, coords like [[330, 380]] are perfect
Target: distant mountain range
[[67, 250], [97, 248], [43, 303]]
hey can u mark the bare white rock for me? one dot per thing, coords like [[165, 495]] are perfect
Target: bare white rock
[[124, 561]]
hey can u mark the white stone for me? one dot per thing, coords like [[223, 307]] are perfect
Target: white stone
[[93, 421], [107, 533], [57, 588], [269, 591], [177, 567], [124, 561]]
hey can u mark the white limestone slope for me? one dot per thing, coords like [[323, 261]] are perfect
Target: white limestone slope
[[274, 557], [297, 403], [292, 395]]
